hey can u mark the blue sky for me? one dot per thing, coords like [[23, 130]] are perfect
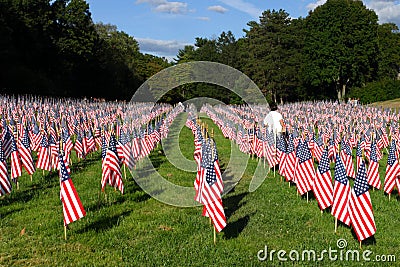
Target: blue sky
[[162, 27]]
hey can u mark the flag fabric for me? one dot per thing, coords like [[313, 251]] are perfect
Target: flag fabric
[[373, 172], [43, 161], [5, 184], [26, 154], [112, 169], [305, 172], [347, 159], [212, 186], [341, 192], [290, 160], [323, 188], [72, 206], [360, 207], [6, 140], [392, 170], [16, 167]]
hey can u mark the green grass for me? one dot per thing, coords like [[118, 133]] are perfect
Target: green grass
[[134, 229]]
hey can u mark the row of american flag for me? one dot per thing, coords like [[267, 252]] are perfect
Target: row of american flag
[[208, 183], [319, 134], [41, 133]]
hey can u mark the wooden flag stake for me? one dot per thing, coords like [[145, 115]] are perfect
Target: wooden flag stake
[[123, 165], [215, 236], [335, 225], [360, 244], [65, 232], [389, 196], [31, 177], [307, 196]]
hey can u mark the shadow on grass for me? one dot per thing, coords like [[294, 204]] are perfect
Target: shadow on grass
[[157, 159], [82, 164], [233, 229], [232, 204], [18, 196], [366, 242], [7, 213], [105, 223]]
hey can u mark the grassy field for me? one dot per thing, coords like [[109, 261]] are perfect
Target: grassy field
[[393, 104], [134, 229]]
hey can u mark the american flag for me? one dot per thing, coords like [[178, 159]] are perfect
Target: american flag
[[25, 153], [305, 172], [5, 184], [347, 159], [341, 192], [392, 169], [72, 206], [16, 168], [318, 148], [360, 207], [112, 170], [43, 161], [373, 173], [281, 148], [323, 188], [211, 188], [290, 160], [6, 140]]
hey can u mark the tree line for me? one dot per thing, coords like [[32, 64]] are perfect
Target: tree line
[[338, 50], [54, 48]]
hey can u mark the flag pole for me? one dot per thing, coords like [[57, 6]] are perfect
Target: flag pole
[[335, 225], [65, 232]]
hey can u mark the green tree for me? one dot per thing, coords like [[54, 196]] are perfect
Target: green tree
[[270, 52], [389, 43], [341, 48]]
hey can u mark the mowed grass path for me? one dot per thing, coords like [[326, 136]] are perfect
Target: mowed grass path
[[136, 230]]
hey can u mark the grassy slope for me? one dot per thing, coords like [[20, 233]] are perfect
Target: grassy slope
[[136, 230], [394, 103]]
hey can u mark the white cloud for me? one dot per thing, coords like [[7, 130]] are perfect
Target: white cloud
[[312, 6], [203, 18], [387, 10], [165, 48], [219, 9], [165, 6], [246, 7]]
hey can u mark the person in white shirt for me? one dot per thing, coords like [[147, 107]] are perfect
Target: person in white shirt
[[274, 120]]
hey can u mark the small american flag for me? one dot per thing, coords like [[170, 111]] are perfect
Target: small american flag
[[305, 172], [323, 188], [72, 206], [360, 207], [373, 172], [212, 186], [43, 161], [5, 184], [25, 153], [16, 168], [112, 169], [341, 191], [392, 169]]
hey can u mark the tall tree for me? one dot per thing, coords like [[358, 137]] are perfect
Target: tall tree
[[272, 48], [341, 48], [389, 43]]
